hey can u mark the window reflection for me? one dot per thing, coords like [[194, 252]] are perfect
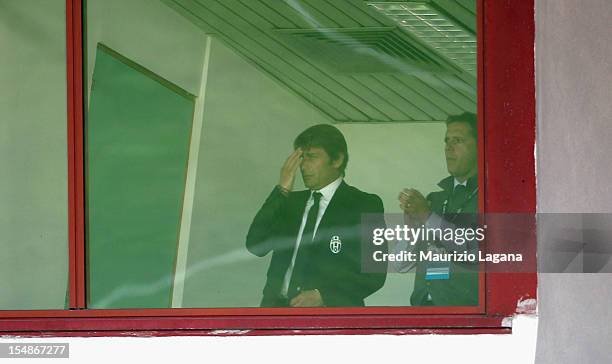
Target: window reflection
[[261, 72]]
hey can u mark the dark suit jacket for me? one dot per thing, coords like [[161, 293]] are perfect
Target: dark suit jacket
[[337, 276], [462, 287]]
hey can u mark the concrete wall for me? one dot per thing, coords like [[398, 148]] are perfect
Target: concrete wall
[[574, 75]]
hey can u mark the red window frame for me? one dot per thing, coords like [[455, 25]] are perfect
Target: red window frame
[[506, 99]]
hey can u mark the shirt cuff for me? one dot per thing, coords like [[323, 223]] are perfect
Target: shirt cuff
[[283, 191]]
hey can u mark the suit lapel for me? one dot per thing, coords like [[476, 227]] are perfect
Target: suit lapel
[[298, 204]]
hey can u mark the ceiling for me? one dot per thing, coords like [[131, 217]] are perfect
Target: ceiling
[[354, 60]]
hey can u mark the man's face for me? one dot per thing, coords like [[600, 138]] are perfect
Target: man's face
[[318, 170], [461, 151]]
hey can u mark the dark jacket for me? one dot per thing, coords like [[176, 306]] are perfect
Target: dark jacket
[[337, 276], [461, 289]]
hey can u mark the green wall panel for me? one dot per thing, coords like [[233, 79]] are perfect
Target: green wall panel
[[138, 136]]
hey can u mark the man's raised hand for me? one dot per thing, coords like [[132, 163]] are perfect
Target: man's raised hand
[[287, 173], [414, 204]]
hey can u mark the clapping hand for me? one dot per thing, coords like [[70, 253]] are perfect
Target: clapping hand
[[415, 206]]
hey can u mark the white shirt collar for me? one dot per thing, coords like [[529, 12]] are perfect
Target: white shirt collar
[[329, 190], [457, 183]]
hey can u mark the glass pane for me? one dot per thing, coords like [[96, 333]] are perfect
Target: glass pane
[[34, 187], [183, 197]]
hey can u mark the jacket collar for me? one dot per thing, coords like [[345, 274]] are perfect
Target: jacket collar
[[339, 195], [329, 191], [448, 184]]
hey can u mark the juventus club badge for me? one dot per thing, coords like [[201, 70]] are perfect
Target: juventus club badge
[[335, 244]]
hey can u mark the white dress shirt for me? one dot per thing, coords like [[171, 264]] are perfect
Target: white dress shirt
[[327, 193]]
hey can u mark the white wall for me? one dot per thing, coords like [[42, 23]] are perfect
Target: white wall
[[150, 34], [517, 348], [386, 158]]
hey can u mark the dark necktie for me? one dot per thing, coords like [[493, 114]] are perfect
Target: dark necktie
[[301, 259], [457, 199], [311, 220]]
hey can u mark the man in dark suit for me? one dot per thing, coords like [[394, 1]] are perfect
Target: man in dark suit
[[315, 235], [453, 283]]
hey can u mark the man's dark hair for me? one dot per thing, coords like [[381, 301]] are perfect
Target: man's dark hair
[[468, 118], [324, 136]]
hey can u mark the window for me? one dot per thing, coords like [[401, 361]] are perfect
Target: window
[[34, 193], [190, 111]]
